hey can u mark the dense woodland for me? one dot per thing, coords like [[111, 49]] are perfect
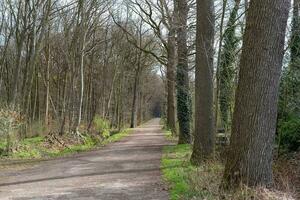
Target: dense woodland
[[223, 70]]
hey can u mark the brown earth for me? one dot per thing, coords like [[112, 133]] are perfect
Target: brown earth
[[125, 170]]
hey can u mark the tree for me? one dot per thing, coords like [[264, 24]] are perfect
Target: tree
[[289, 99], [170, 76], [227, 70], [295, 38], [204, 131], [254, 121], [183, 90]]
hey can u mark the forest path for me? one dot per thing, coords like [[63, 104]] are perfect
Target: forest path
[[125, 170]]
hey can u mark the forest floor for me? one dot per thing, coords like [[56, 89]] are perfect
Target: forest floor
[[128, 169]]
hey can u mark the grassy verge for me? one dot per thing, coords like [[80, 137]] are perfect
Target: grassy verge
[[188, 182], [35, 148], [175, 168]]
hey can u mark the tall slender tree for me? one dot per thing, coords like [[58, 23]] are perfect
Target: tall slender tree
[[295, 39], [170, 75], [183, 91], [254, 121], [289, 99], [226, 67], [204, 125]]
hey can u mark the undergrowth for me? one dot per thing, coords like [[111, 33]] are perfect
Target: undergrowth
[[36, 147]]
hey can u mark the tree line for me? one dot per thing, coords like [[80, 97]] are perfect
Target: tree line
[[64, 62], [234, 67]]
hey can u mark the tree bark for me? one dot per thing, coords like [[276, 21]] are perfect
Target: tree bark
[[81, 63], [48, 57], [217, 90], [133, 122], [171, 116], [254, 122], [204, 117], [227, 68], [183, 90], [295, 38]]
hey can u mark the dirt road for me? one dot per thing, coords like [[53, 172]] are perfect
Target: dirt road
[[125, 170]]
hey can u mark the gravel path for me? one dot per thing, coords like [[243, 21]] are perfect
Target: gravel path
[[125, 170]]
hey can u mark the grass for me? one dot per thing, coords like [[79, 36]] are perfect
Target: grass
[[117, 137], [169, 135], [176, 167], [188, 182], [34, 148]]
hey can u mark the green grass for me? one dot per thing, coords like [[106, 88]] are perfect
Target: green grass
[[168, 134], [117, 137], [33, 148], [175, 168], [188, 182]]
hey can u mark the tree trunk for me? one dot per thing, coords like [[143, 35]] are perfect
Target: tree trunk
[[183, 90], [171, 116], [254, 122], [112, 88], [204, 117], [81, 64], [81, 84], [48, 57], [217, 90], [133, 122], [227, 68], [295, 38]]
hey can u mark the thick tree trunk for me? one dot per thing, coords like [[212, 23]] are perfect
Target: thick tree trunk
[[204, 117], [183, 90], [250, 157]]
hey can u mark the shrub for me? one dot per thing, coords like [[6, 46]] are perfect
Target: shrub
[[290, 134], [10, 121], [102, 126]]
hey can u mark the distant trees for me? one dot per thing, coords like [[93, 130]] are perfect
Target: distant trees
[[168, 20], [254, 120], [160, 16], [63, 63]]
